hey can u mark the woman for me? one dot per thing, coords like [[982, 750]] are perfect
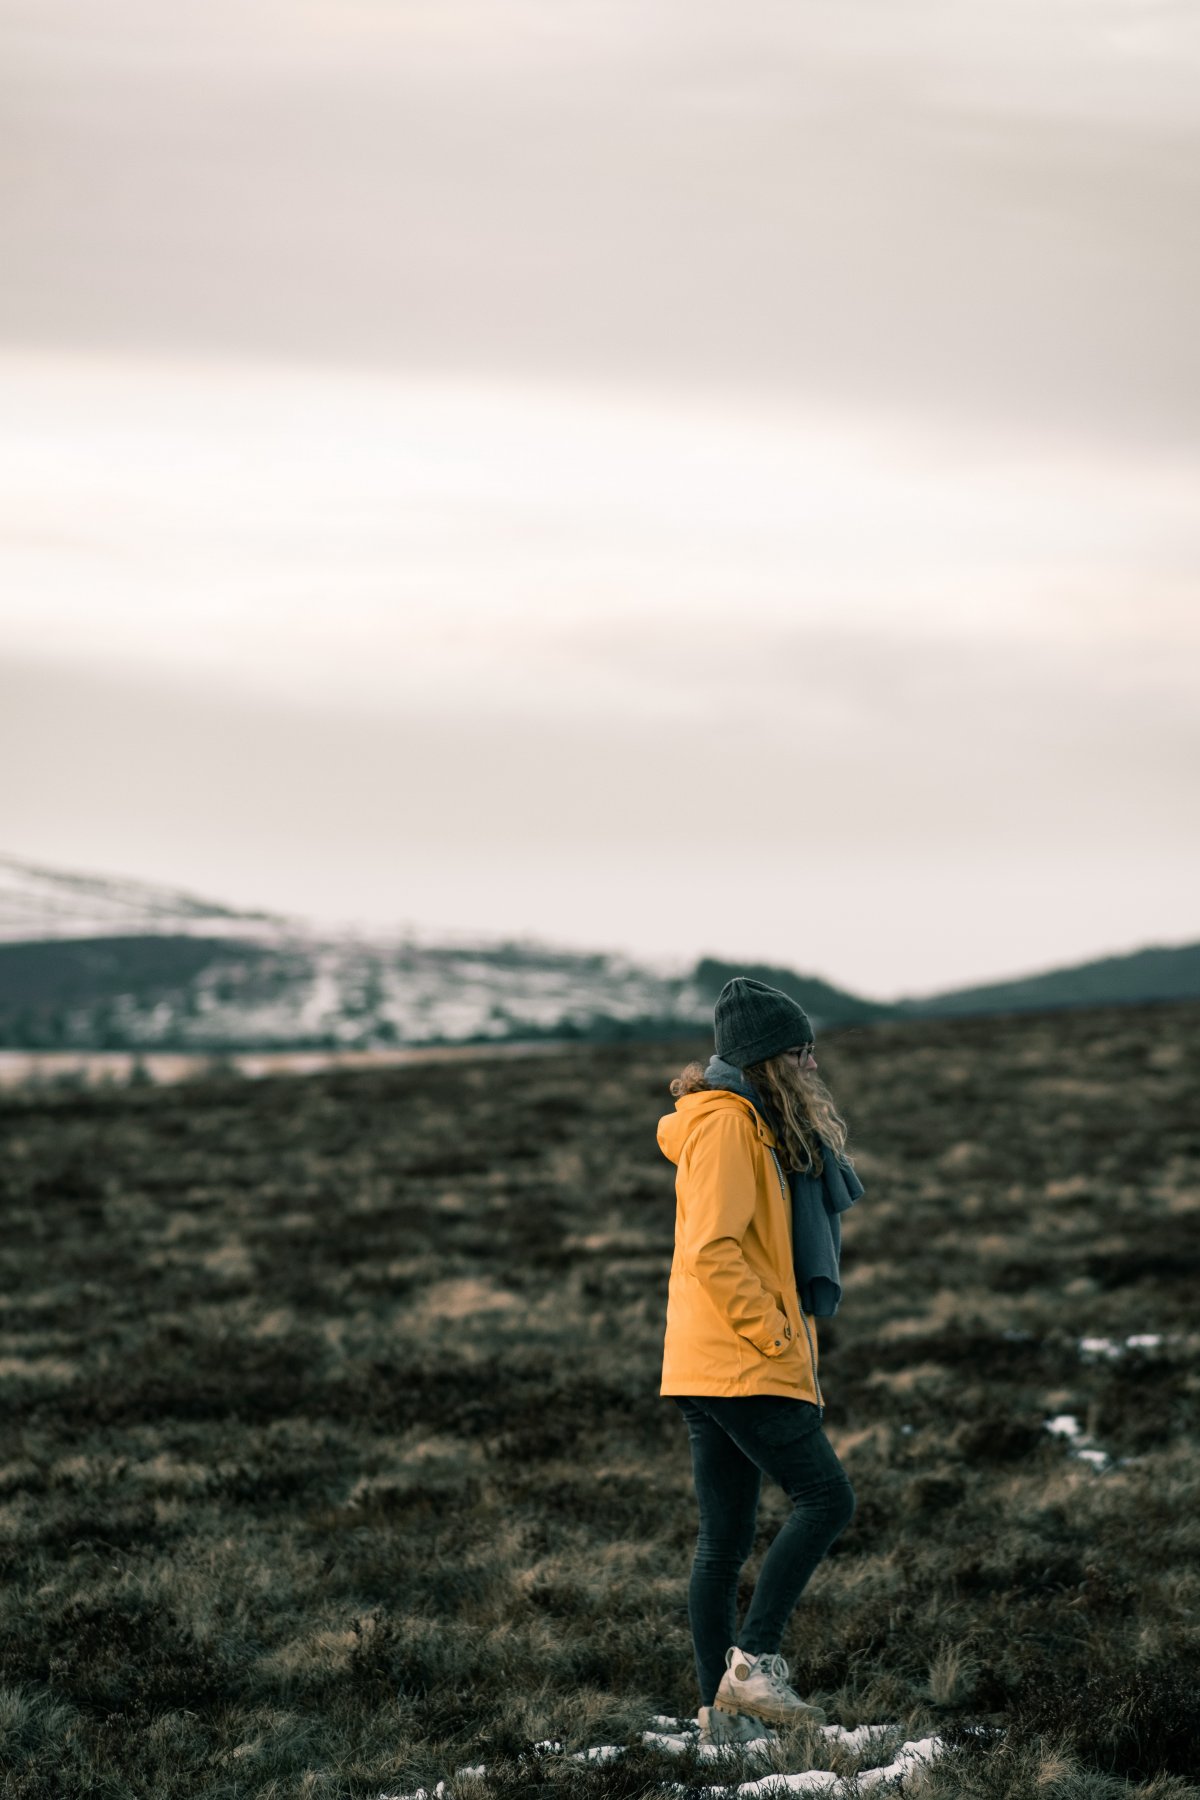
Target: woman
[[755, 1260]]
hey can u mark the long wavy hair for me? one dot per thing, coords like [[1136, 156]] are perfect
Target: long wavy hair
[[800, 1108]]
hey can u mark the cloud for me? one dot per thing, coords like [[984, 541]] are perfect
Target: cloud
[[371, 542], [979, 214]]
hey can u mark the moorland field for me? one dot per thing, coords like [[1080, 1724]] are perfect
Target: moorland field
[[332, 1457]]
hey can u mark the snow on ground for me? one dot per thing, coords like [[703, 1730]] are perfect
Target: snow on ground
[[1066, 1425], [1091, 1349], [1103, 1349], [321, 1006], [677, 1735]]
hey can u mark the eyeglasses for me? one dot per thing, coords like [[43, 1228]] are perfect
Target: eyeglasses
[[802, 1051]]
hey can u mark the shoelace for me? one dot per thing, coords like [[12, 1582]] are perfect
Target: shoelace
[[774, 1667]]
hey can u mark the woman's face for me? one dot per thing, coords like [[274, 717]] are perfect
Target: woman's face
[[803, 1057]]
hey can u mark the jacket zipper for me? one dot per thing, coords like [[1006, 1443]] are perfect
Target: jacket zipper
[[811, 1355]]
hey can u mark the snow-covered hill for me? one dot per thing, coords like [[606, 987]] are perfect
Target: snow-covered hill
[[92, 963], [37, 903]]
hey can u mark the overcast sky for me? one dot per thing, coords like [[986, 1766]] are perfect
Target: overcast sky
[[660, 476]]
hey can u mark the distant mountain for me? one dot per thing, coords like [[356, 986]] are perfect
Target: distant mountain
[[37, 903], [1160, 972], [88, 963]]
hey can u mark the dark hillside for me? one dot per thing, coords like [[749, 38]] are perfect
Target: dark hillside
[[64, 992], [334, 1457], [1168, 972], [827, 1006], [70, 971]]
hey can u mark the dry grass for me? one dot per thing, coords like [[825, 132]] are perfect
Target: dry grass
[[333, 1457]]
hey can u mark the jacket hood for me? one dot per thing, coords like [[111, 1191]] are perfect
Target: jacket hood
[[674, 1129], [722, 1074]]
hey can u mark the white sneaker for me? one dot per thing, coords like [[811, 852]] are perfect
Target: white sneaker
[[759, 1685]]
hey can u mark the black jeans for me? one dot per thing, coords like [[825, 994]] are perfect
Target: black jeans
[[735, 1441]]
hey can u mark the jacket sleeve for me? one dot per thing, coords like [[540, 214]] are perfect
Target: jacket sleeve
[[720, 1197]]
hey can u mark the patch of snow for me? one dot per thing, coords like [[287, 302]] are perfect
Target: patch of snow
[[322, 1003], [1093, 1348], [799, 1783], [677, 1735], [916, 1750], [854, 1737], [860, 1737], [1066, 1425]]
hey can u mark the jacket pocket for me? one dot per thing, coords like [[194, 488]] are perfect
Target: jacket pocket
[[785, 1334]]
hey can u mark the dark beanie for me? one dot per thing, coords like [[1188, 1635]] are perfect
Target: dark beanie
[[754, 1021]]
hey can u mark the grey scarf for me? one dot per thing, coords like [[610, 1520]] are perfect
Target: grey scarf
[[818, 1202]]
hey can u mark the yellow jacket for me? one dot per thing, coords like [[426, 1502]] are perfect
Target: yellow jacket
[[734, 1320]]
